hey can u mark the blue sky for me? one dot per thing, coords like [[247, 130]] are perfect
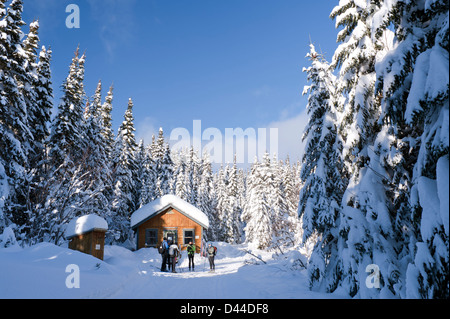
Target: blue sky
[[234, 63]]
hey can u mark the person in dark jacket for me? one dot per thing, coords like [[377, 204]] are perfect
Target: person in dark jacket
[[165, 254], [191, 253]]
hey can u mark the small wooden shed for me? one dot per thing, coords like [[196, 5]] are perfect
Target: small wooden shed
[[87, 234], [170, 217]]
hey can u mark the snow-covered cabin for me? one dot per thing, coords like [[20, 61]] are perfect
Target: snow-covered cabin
[[170, 217], [87, 234]]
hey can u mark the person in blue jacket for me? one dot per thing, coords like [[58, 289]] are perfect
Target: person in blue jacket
[[164, 254]]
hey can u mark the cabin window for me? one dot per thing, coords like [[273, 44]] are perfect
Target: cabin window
[[188, 235], [151, 237]]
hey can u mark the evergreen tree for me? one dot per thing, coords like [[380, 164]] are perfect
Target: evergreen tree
[[257, 213], [65, 140], [145, 175], [229, 206], [124, 170], [285, 204], [207, 197], [44, 102], [107, 120], [394, 149], [355, 58], [221, 182], [426, 115], [180, 169], [235, 207], [15, 134], [163, 165], [29, 91], [322, 169], [95, 157], [365, 225], [64, 193]]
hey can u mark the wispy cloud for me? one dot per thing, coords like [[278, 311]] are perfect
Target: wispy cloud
[[290, 132], [145, 129], [116, 22]]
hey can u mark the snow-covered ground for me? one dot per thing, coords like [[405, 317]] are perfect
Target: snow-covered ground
[[41, 271]]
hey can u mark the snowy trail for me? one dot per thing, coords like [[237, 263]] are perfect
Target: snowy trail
[[40, 272], [234, 278]]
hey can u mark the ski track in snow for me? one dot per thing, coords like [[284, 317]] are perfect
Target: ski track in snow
[[125, 274]]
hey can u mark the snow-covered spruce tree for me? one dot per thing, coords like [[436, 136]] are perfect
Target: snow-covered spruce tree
[[235, 205], [278, 204], [366, 228], [64, 188], [287, 223], [163, 166], [220, 184], [229, 207], [165, 180], [29, 91], [322, 172], [207, 197], [39, 182], [425, 45], [411, 100], [96, 163], [179, 185], [106, 111], [355, 58], [145, 182], [65, 141], [242, 193], [398, 154], [44, 100], [15, 134], [186, 175], [124, 170], [257, 213]]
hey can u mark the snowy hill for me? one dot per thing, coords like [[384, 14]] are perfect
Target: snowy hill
[[41, 272]]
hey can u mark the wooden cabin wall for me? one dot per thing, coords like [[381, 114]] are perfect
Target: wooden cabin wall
[[169, 219], [86, 243]]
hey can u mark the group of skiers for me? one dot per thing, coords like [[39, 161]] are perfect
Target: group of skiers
[[171, 253]]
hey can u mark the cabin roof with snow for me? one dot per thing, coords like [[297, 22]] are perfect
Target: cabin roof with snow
[[160, 205], [85, 224]]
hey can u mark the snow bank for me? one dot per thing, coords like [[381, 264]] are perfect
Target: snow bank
[[225, 250], [293, 260], [164, 202], [41, 271], [85, 224]]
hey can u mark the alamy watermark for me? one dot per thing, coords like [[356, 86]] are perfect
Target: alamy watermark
[[73, 279], [373, 279], [73, 19], [244, 144]]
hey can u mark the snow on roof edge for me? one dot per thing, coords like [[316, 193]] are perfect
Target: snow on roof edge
[[85, 224], [157, 206]]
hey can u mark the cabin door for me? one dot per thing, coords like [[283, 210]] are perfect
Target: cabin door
[[171, 233]]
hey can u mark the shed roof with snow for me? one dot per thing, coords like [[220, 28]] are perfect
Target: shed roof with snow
[[87, 234], [85, 224], [160, 205]]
